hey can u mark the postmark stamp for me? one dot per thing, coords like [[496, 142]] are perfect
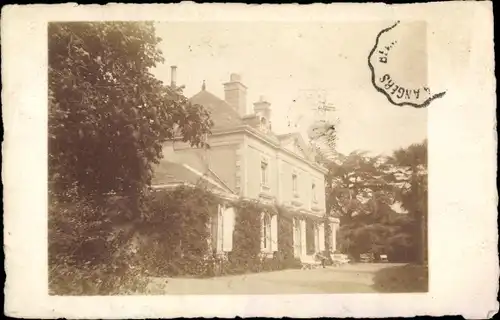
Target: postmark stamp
[[398, 65]]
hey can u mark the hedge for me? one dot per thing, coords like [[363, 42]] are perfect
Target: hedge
[[105, 249]]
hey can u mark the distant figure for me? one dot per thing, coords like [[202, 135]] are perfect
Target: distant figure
[[322, 258]]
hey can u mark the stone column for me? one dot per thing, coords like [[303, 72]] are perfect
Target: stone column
[[321, 236], [316, 238], [334, 225], [303, 236]]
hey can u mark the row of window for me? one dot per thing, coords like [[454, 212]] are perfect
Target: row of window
[[222, 228], [307, 236], [264, 168]]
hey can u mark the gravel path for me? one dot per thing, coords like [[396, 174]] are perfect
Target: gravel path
[[356, 278]]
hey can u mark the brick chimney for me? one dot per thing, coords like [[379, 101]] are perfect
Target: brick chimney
[[262, 107], [235, 94]]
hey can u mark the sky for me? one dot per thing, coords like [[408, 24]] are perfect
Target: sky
[[295, 65]]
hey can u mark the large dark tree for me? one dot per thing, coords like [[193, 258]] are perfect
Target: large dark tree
[[108, 114], [411, 164], [358, 185], [108, 119]]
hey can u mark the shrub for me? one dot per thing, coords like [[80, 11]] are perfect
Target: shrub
[[292, 263], [88, 254], [181, 232], [100, 249]]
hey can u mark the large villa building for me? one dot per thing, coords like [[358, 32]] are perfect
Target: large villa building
[[247, 160]]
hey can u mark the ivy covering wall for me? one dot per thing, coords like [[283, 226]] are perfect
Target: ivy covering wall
[[177, 229], [285, 239], [95, 251], [285, 234], [177, 232], [245, 256]]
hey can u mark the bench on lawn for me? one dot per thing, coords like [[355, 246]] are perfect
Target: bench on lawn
[[366, 257], [339, 259], [310, 262]]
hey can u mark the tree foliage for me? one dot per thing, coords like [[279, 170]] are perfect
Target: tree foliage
[[411, 166], [108, 115], [412, 175], [89, 252], [285, 234], [108, 118], [178, 231], [358, 185], [245, 255], [362, 192]]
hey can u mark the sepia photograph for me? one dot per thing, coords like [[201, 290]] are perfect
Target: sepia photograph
[[192, 158], [233, 160]]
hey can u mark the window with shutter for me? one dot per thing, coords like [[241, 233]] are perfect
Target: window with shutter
[[322, 237], [294, 183], [266, 232], [310, 237], [316, 237], [297, 237], [313, 187], [220, 228], [214, 231], [274, 233], [228, 228]]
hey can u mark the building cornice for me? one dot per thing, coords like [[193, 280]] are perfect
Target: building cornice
[[266, 139]]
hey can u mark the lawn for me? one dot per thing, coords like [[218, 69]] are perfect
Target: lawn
[[406, 278], [352, 278]]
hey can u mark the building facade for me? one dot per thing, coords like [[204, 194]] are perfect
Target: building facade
[[247, 160]]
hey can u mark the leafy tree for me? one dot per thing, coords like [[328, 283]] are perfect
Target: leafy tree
[[411, 172], [108, 118], [108, 115], [361, 191], [358, 185]]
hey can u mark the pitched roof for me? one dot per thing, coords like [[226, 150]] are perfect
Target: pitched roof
[[225, 116], [168, 173], [222, 114]]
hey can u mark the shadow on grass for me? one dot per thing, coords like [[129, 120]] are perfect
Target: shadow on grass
[[399, 279]]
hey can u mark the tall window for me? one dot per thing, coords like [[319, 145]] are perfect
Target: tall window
[[310, 238], [220, 228], [266, 231], [263, 173], [316, 237], [294, 183], [298, 237], [313, 190]]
